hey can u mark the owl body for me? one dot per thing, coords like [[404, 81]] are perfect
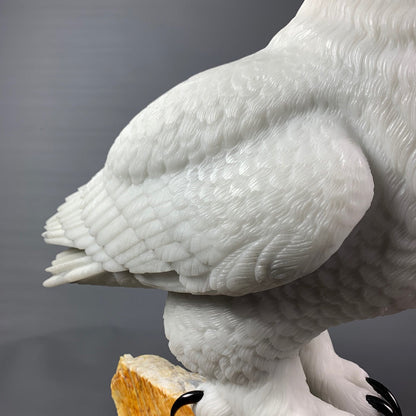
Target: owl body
[[272, 197]]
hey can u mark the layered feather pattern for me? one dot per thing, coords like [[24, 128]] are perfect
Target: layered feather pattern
[[282, 185], [211, 226]]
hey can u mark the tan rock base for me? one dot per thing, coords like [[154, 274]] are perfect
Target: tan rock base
[[148, 385]]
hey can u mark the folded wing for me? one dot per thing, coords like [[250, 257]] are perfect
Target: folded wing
[[225, 192]]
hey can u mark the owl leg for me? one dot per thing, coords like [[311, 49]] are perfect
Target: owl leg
[[227, 341], [283, 392], [343, 383]]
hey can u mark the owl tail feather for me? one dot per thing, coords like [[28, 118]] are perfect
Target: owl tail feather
[[75, 266], [71, 266]]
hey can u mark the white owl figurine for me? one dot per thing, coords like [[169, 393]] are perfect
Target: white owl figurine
[[272, 197]]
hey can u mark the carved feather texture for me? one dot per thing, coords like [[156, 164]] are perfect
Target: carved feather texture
[[283, 182], [283, 203]]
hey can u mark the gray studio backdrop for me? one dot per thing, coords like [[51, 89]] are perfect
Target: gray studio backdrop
[[72, 74]]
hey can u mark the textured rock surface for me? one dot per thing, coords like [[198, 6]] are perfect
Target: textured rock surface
[[148, 385]]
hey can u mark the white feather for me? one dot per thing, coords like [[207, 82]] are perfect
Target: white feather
[[284, 180]]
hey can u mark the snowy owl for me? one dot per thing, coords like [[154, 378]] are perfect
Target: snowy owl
[[272, 197]]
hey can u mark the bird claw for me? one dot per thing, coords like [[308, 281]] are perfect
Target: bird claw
[[386, 394], [381, 406], [189, 397]]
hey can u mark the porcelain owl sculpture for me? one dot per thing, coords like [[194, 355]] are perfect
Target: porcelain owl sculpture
[[272, 197]]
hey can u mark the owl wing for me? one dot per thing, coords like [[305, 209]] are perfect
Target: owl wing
[[221, 186]]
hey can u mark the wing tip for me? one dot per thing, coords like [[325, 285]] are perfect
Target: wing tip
[[54, 281]]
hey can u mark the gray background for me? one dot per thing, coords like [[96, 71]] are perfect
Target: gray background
[[72, 74]]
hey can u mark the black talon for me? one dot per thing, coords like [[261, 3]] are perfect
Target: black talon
[[385, 393], [190, 397], [381, 406]]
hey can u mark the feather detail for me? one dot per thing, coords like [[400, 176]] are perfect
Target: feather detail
[[71, 266]]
